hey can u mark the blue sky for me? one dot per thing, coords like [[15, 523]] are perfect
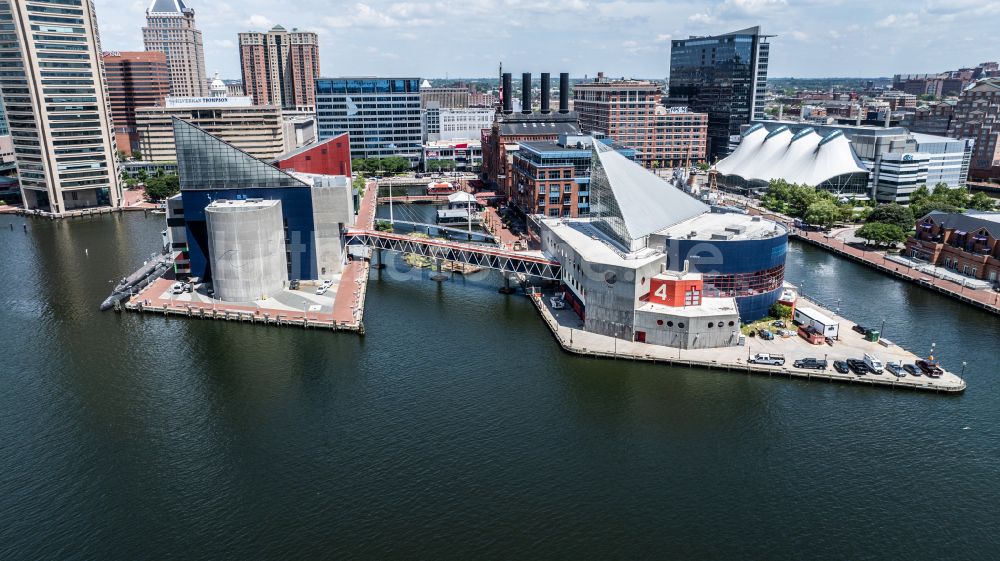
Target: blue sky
[[628, 38]]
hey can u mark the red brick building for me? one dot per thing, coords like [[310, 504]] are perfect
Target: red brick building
[[967, 243], [328, 157], [630, 112], [501, 142], [977, 116], [135, 79], [280, 67]]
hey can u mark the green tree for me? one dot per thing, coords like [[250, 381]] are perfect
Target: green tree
[[136, 155], [881, 233], [893, 213], [394, 164], [822, 213], [360, 183], [142, 176], [982, 201], [359, 165], [163, 187], [780, 311]]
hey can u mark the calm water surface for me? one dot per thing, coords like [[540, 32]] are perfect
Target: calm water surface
[[457, 429]]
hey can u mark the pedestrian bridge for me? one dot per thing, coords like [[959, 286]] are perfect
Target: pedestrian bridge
[[486, 256]]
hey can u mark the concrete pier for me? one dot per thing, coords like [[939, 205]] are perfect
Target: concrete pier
[[565, 326]]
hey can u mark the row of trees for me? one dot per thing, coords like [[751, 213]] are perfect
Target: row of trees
[[390, 165], [923, 200], [890, 224], [440, 165], [815, 206], [821, 208]]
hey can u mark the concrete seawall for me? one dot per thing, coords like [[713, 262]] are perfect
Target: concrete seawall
[[564, 325]]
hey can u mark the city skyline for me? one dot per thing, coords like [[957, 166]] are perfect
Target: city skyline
[[814, 39]]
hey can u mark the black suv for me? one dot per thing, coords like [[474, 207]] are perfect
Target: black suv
[[813, 363], [858, 366]]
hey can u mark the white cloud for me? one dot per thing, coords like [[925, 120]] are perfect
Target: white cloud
[[909, 19], [259, 22], [755, 6], [584, 36]]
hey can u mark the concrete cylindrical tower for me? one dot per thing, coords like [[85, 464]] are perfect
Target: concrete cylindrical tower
[[246, 246]]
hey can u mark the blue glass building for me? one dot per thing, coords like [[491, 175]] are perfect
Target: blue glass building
[[380, 115], [724, 76]]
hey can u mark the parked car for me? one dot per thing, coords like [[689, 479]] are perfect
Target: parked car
[[293, 284], [930, 368], [911, 369], [895, 369], [858, 366], [860, 329], [327, 283], [841, 366], [188, 287], [177, 288], [765, 358], [811, 363], [779, 323], [557, 303], [322, 290], [766, 335]]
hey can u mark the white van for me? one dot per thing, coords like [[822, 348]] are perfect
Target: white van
[[874, 363], [764, 358]]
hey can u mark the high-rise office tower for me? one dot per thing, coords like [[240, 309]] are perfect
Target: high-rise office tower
[[280, 67], [382, 115], [724, 76], [57, 105], [135, 79], [170, 30]]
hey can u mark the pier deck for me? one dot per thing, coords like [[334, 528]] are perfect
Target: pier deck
[[566, 327]]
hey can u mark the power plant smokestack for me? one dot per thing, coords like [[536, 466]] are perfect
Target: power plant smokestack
[[564, 92], [546, 86], [526, 92], [508, 95]]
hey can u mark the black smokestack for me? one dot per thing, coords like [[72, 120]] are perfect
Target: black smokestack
[[564, 92], [546, 86], [526, 92], [508, 95]]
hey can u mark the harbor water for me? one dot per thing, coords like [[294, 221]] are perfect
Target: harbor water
[[457, 429]]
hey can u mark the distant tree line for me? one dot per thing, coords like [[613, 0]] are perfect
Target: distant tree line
[[390, 165]]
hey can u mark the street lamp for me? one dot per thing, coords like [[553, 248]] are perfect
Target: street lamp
[[881, 331]]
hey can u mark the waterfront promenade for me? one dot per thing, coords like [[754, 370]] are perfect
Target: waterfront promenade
[[988, 300], [566, 326]]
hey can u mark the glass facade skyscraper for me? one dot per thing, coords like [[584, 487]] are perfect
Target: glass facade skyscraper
[[57, 105], [380, 115], [724, 76]]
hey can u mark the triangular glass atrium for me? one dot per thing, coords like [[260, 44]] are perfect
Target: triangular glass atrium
[[206, 163]]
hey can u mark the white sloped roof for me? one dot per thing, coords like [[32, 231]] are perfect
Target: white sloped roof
[[461, 197], [805, 157], [647, 203]]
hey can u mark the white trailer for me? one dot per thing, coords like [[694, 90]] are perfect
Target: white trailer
[[818, 321]]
